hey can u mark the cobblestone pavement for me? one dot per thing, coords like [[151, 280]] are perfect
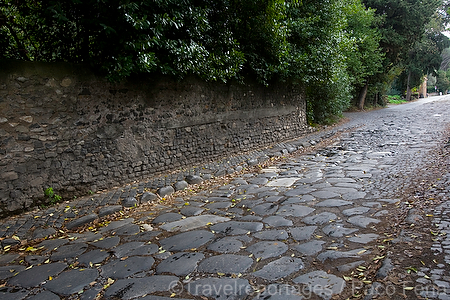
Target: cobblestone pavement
[[296, 229]]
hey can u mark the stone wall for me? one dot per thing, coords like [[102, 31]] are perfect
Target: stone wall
[[63, 127]]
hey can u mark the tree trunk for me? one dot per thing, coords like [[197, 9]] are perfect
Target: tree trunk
[[408, 88], [362, 96]]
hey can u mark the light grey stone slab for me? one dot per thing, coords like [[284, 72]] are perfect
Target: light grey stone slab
[[193, 223], [226, 245], [325, 194], [285, 182], [265, 209], [355, 211], [334, 203], [280, 268], [332, 254], [271, 235]]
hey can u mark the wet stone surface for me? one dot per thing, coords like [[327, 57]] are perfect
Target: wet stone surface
[[306, 221]]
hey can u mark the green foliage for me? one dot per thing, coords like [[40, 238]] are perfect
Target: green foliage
[[442, 81], [395, 99], [51, 196]]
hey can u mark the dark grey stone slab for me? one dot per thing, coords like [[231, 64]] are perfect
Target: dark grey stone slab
[[68, 251], [273, 198], [191, 210], [299, 191], [272, 235], [364, 238], [8, 258], [123, 268], [85, 237], [129, 202], [40, 232], [321, 283], [194, 179], [107, 243], [237, 228], [218, 205], [310, 248], [258, 180], [265, 209], [267, 249], [350, 266], [92, 293], [220, 288], [50, 245], [226, 245], [341, 190], [181, 263], [134, 249], [10, 271], [128, 229], [45, 295], [160, 298], [114, 225], [193, 223], [325, 194], [280, 268], [165, 191], [362, 221], [36, 275], [13, 294], [187, 240], [109, 210], [279, 292], [322, 218], [338, 230], [355, 211], [302, 233], [180, 185], [226, 263], [35, 259], [137, 287], [72, 281], [167, 217], [295, 210], [334, 203], [277, 221], [148, 197], [94, 257], [81, 221]]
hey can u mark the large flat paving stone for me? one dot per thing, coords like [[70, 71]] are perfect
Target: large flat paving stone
[[72, 281], [44, 295], [295, 210], [310, 248], [226, 245], [267, 249], [181, 263], [302, 233], [69, 251], [9, 271], [226, 263], [220, 288], [134, 249], [334, 203], [265, 209], [298, 191], [322, 284], [277, 221], [364, 238], [187, 240], [14, 294], [355, 211], [137, 287], [332, 254], [193, 223], [36, 275], [272, 235], [285, 182], [280, 268], [118, 269], [167, 217], [322, 218], [338, 230], [325, 194], [279, 292], [362, 221], [92, 257], [237, 228], [107, 243]]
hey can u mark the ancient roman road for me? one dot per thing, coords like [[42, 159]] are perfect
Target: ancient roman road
[[294, 229]]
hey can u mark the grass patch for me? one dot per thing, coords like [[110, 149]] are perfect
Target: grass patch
[[395, 99]]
